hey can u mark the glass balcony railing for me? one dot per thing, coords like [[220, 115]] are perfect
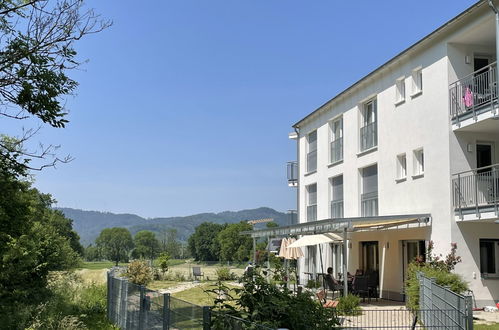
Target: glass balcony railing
[[337, 150], [292, 169], [369, 204], [311, 213], [368, 136], [312, 161], [337, 209]]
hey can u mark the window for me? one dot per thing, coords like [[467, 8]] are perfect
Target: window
[[417, 81], [337, 140], [489, 254], [368, 131], [400, 90], [337, 197], [369, 197], [312, 202], [312, 152], [401, 167], [418, 163]]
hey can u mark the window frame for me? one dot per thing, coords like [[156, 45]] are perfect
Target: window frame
[[495, 258], [418, 163], [400, 91], [336, 139], [308, 203], [417, 81], [369, 116], [309, 151], [401, 167]]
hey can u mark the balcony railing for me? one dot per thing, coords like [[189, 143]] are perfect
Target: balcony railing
[[312, 161], [473, 92], [476, 189], [369, 204], [337, 209], [336, 150], [292, 169], [368, 136], [292, 217], [311, 213]]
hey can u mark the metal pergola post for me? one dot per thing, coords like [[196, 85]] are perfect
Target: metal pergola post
[[345, 262]]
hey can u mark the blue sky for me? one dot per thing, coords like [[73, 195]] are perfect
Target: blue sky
[[185, 106]]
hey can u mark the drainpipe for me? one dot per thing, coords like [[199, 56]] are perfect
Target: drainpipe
[[297, 131], [496, 12]]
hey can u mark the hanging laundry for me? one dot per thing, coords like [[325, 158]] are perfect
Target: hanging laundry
[[468, 97]]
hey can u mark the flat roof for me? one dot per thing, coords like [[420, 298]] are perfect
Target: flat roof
[[419, 43]]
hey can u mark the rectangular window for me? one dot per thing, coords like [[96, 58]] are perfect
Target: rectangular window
[[312, 202], [489, 257], [401, 166], [368, 131], [337, 197], [369, 196], [400, 90], [312, 152], [418, 162], [337, 140], [417, 81]]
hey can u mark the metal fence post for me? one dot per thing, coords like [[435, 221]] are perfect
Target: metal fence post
[[108, 298], [142, 308], [206, 318], [469, 312], [166, 311]]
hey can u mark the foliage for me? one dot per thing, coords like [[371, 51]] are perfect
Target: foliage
[[163, 262], [170, 243], [313, 284], [146, 245], [36, 53], [348, 305], [115, 243], [264, 303], [434, 267], [34, 240], [139, 272], [233, 245], [92, 253], [203, 244], [224, 274]]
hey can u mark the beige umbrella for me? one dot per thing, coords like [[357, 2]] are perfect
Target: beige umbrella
[[283, 251], [293, 252]]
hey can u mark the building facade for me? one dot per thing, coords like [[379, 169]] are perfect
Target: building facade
[[419, 135]]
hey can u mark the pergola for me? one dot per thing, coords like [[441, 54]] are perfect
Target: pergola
[[343, 226]]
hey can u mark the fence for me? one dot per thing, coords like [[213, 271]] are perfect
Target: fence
[[450, 310]]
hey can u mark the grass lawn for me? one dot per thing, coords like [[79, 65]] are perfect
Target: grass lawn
[[198, 296], [158, 285], [493, 326], [98, 265], [98, 276]]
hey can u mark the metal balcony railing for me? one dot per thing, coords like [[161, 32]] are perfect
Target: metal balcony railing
[[311, 213], [368, 136], [337, 150], [473, 92], [292, 169], [337, 209], [312, 161], [369, 204], [476, 188]]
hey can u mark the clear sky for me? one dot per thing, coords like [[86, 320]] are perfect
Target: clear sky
[[185, 106]]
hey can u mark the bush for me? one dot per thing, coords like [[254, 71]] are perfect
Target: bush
[[349, 305], [313, 284], [139, 272], [224, 274]]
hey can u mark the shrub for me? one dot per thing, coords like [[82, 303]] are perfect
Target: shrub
[[224, 274], [313, 284], [138, 272], [163, 262], [349, 305]]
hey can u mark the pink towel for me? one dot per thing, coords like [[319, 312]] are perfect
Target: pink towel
[[468, 97]]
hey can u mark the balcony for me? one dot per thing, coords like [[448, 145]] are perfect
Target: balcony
[[368, 136], [292, 169], [474, 97], [311, 213], [369, 204], [476, 192], [292, 216], [337, 209], [312, 161], [336, 150]]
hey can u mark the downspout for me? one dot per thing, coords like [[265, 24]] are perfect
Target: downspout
[[496, 12], [297, 131]]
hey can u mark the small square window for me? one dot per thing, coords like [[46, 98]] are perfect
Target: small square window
[[401, 166], [400, 90], [418, 162], [417, 81]]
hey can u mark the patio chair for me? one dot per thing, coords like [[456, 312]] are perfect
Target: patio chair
[[196, 272], [361, 288], [372, 284], [321, 296], [333, 286]]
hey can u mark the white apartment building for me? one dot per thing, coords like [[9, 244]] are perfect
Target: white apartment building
[[411, 153]]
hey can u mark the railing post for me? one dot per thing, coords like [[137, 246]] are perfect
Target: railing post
[[108, 298], [475, 176], [166, 311], [494, 188], [142, 308], [469, 312], [206, 318], [459, 196]]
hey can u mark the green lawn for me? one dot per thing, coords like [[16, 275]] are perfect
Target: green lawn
[[198, 295], [493, 326], [98, 265]]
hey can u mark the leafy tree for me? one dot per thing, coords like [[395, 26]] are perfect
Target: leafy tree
[[36, 53], [170, 244], [146, 244], [203, 244], [92, 253], [233, 245], [139, 272], [115, 243], [272, 224], [163, 262]]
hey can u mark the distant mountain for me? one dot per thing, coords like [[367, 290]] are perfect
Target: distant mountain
[[89, 224]]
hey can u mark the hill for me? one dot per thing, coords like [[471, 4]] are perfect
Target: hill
[[88, 224]]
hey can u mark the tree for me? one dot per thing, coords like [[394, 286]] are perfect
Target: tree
[[233, 245], [170, 243], [203, 242], [36, 53], [163, 262], [92, 253], [115, 243], [146, 244]]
